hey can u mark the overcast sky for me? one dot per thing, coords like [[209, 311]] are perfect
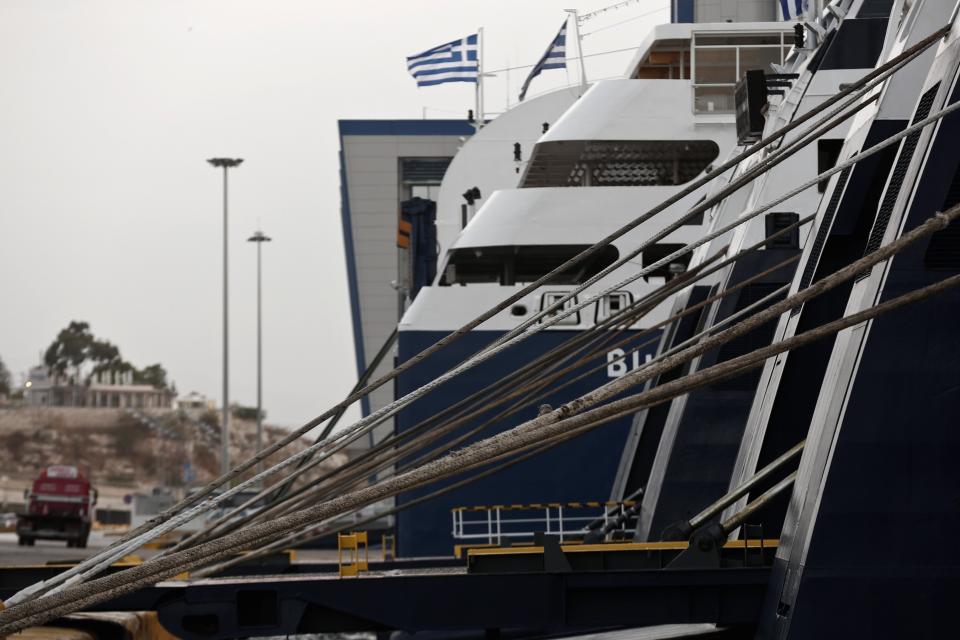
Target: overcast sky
[[110, 214]]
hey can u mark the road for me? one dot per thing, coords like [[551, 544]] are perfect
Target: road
[[45, 551]]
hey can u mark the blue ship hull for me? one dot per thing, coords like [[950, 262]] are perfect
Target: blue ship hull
[[582, 469]]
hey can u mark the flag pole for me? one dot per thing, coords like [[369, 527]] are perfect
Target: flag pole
[[583, 70], [478, 114]]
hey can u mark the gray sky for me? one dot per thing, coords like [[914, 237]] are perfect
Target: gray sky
[[109, 213]]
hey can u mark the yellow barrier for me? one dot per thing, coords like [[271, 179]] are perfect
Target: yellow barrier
[[352, 543], [566, 547]]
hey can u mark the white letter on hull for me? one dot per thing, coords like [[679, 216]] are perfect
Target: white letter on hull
[[618, 368]]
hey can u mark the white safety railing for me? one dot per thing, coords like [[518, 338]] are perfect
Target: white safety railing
[[497, 523]]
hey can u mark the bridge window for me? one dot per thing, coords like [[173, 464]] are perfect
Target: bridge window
[[618, 163], [666, 60], [719, 61], [509, 265]]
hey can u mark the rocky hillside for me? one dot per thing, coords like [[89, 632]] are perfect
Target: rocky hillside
[[124, 448]]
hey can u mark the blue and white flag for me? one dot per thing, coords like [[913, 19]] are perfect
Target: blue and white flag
[[451, 62], [799, 8], [555, 57]]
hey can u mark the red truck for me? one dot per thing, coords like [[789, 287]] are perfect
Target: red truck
[[58, 507]]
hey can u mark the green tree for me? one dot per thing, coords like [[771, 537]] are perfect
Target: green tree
[[154, 375], [76, 345], [4, 379], [103, 352], [106, 357], [246, 413], [70, 349]]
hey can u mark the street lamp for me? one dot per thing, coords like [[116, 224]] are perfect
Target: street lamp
[[226, 164], [259, 238]]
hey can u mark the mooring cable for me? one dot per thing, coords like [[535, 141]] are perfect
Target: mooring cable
[[443, 429], [570, 415], [528, 435], [156, 525]]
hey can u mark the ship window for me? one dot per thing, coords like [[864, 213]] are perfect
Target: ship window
[[715, 66], [552, 298], [666, 60], [777, 221], [612, 304], [509, 265], [738, 40], [720, 60], [623, 163], [657, 252]]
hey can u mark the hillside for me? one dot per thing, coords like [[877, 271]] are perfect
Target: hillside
[[142, 449]]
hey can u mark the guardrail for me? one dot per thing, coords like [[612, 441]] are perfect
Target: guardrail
[[568, 520]]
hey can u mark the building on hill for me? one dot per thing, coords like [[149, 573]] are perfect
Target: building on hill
[[195, 404], [106, 389], [196, 401]]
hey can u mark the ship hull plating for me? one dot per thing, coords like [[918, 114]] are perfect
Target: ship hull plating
[[582, 469]]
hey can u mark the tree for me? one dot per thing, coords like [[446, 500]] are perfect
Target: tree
[[106, 357], [76, 345], [70, 349], [154, 375], [4, 379], [246, 413], [103, 352]]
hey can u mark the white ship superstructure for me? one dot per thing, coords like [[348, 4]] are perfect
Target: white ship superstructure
[[618, 151]]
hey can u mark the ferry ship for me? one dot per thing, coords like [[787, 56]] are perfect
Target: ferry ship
[[828, 518], [623, 147]]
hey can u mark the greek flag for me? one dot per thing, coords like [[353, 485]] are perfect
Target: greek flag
[[799, 7], [555, 57], [451, 62]]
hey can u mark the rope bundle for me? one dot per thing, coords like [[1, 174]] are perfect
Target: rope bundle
[[570, 418], [574, 417]]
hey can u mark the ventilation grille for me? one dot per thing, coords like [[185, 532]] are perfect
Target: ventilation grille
[[822, 233], [611, 163], [899, 173], [423, 170]]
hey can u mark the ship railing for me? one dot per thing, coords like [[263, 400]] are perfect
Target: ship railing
[[496, 524]]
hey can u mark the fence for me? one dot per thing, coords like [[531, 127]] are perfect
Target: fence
[[516, 522]]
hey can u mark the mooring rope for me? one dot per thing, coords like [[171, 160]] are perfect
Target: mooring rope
[[571, 415], [110, 587], [600, 332], [311, 489], [161, 523]]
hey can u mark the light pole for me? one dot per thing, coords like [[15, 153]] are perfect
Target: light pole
[[226, 164], [259, 238]]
